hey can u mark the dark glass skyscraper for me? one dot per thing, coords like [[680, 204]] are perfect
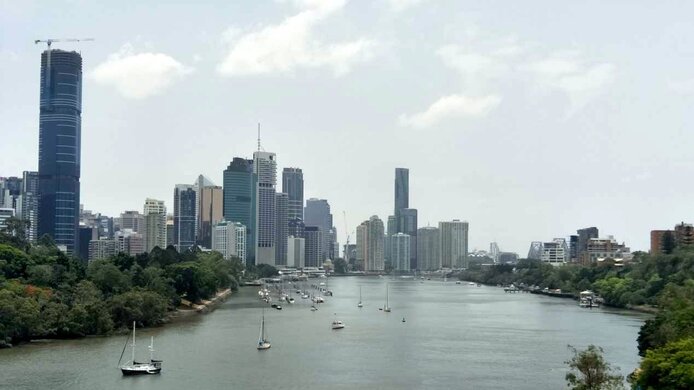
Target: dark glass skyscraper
[[402, 189], [293, 186], [60, 133], [239, 200], [185, 201]]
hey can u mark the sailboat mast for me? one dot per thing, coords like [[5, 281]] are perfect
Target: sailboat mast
[[151, 349], [133, 342]]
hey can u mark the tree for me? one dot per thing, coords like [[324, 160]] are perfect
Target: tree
[[590, 371], [669, 243], [669, 367], [340, 266], [14, 233]]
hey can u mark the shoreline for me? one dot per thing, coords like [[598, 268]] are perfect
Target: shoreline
[[185, 310]]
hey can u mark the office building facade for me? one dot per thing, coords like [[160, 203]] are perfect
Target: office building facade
[[296, 252], [428, 249], [317, 213], [184, 216], [400, 250], [293, 186], [229, 239], [265, 169], [60, 134], [313, 241], [155, 224], [282, 228], [453, 236], [239, 200]]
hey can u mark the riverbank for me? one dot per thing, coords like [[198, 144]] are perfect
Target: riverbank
[[205, 306]]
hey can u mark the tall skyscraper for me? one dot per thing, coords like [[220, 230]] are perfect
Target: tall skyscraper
[[313, 241], [184, 217], [407, 221], [402, 189], [317, 213], [209, 209], [265, 169], [400, 251], [391, 229], [296, 227], [282, 228], [155, 224], [370, 242], [428, 249], [60, 133], [293, 186], [296, 252], [453, 238], [494, 251], [30, 204], [239, 200]]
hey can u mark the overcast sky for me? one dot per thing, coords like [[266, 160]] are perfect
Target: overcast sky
[[529, 119]]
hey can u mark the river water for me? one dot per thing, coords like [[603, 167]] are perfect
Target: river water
[[455, 336]]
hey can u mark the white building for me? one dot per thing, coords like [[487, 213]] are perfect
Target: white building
[[400, 251], [555, 253], [130, 242], [5, 214], [102, 249], [229, 239], [296, 252], [155, 224], [265, 169], [453, 239], [370, 244]]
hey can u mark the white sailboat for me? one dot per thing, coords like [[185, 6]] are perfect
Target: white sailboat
[[386, 308], [263, 341], [359, 304], [135, 368]]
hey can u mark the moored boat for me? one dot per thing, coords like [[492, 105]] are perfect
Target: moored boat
[[137, 368]]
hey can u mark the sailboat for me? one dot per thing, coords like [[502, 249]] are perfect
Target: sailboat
[[135, 368], [386, 308], [359, 304], [263, 341]]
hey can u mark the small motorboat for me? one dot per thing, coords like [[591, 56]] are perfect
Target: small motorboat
[[274, 305], [278, 307], [313, 308], [337, 324], [403, 319]]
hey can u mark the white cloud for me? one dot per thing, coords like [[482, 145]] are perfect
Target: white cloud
[[401, 5], [451, 106], [292, 44], [571, 74], [138, 75], [475, 67]]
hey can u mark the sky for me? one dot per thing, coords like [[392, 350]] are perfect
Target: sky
[[527, 119]]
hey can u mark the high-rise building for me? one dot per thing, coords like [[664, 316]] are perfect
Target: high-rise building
[[453, 236], [400, 251], [407, 222], [573, 248], [229, 239], [5, 214], [86, 235], [293, 186], [209, 209], [584, 236], [155, 224], [30, 204], [508, 258], [130, 242], [296, 252], [239, 200], [184, 217], [317, 213], [169, 230], [391, 228], [555, 252], [133, 220], [282, 227], [10, 193], [428, 249], [295, 227], [265, 170], [370, 242], [60, 133], [402, 189], [312, 246], [102, 248]]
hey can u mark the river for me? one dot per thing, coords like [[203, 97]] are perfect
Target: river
[[455, 336]]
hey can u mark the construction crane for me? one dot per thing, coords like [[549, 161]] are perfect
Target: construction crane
[[49, 41], [346, 254]]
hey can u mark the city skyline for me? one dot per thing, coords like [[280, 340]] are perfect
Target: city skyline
[[493, 171]]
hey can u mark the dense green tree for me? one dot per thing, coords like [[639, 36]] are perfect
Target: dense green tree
[[108, 278], [14, 233], [193, 280], [670, 367], [13, 262], [144, 307], [590, 371]]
